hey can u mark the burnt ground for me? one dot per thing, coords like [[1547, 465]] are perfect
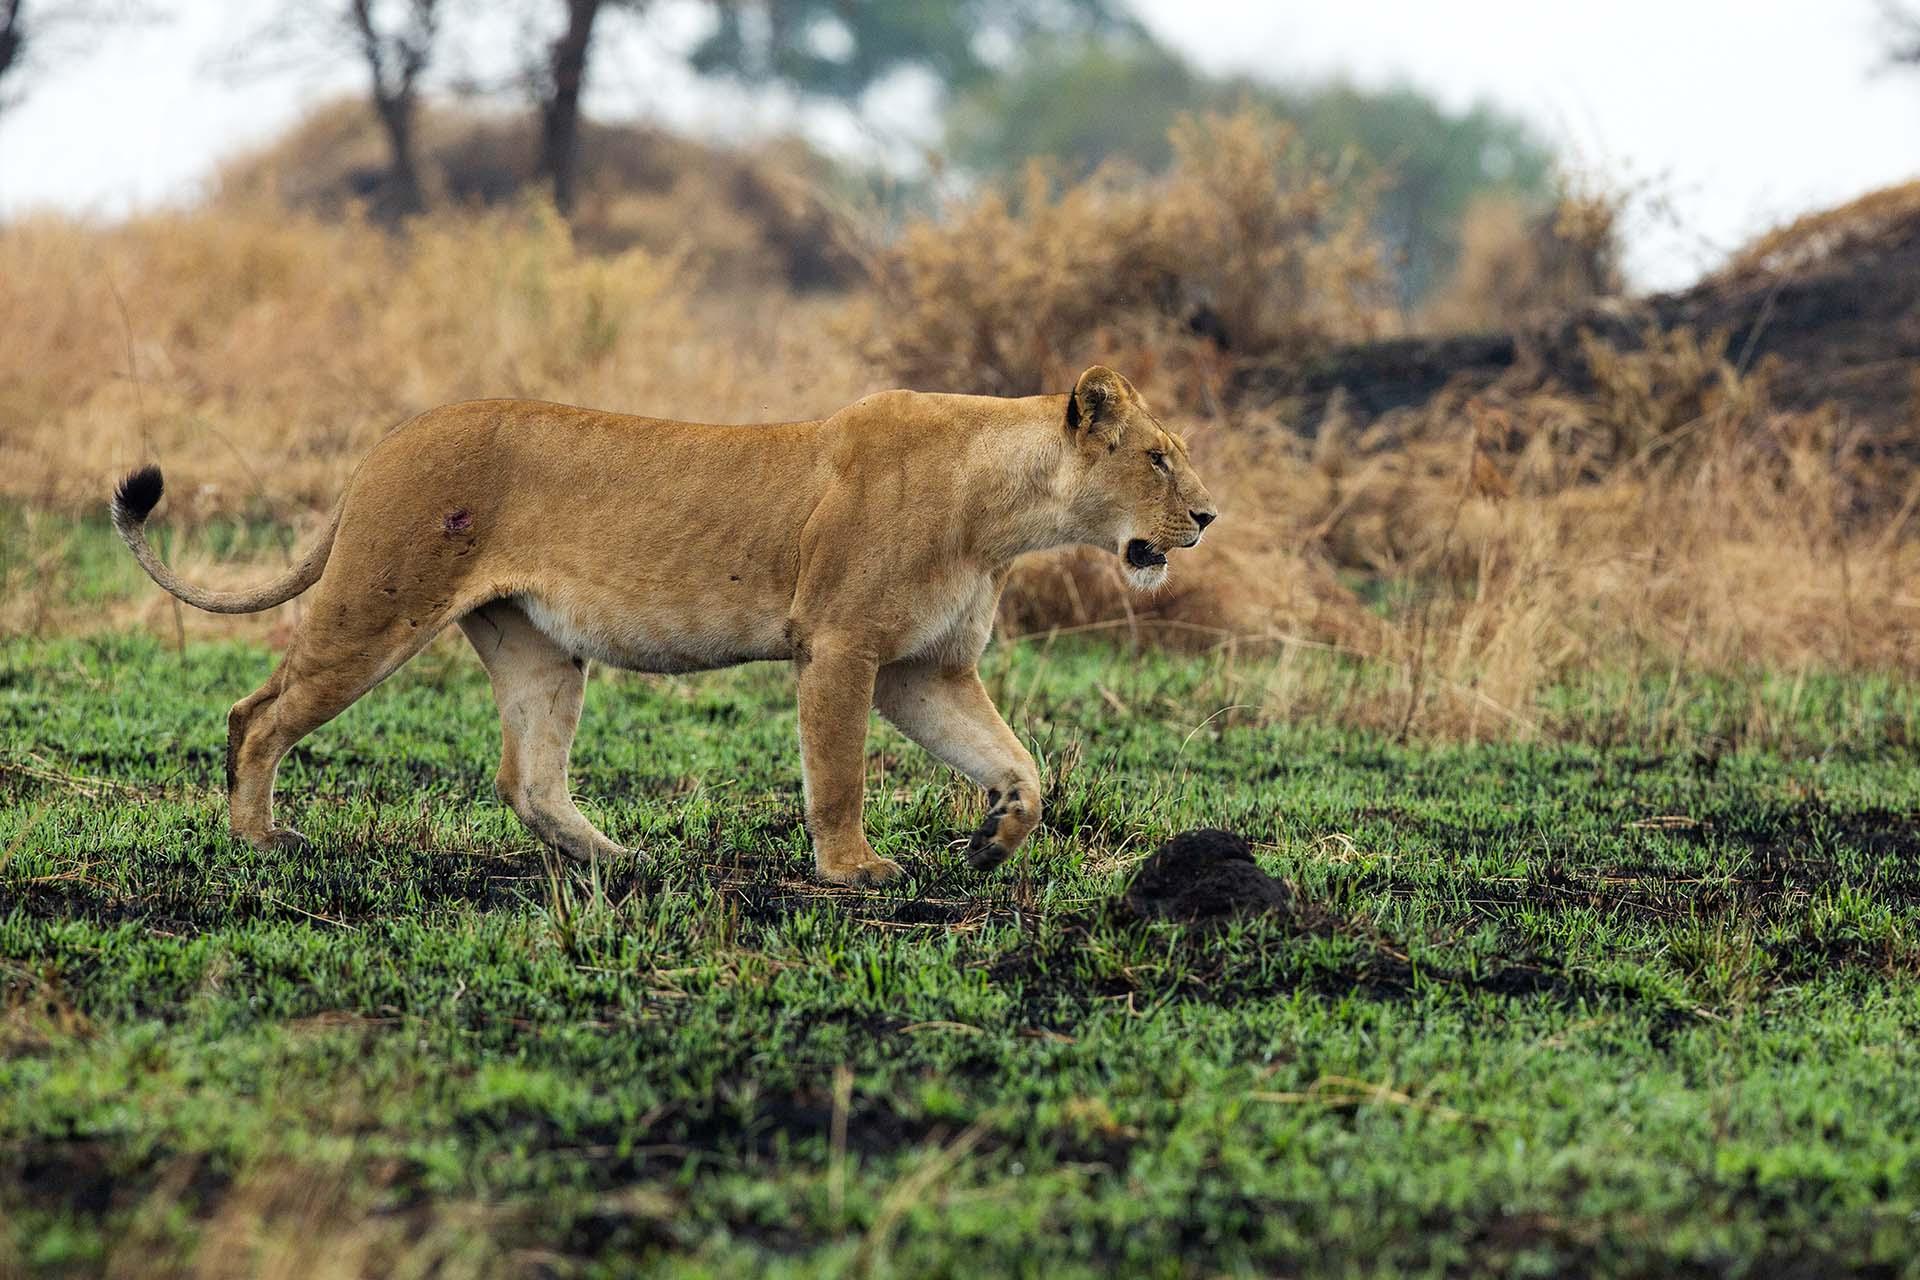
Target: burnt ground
[[1843, 329]]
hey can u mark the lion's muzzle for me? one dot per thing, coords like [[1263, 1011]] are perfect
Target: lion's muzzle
[[1142, 554]]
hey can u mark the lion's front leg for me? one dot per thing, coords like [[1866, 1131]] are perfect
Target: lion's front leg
[[947, 711], [836, 692]]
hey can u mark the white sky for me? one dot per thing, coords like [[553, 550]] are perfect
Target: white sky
[[1730, 115]]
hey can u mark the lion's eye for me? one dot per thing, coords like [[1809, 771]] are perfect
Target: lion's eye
[[1158, 459]]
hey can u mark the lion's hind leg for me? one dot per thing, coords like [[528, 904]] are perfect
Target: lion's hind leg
[[323, 675], [539, 687], [252, 761]]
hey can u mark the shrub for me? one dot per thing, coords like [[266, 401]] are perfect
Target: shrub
[[1517, 262], [1246, 242]]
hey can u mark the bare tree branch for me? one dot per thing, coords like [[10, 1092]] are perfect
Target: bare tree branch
[[1902, 26], [13, 35], [32, 29], [395, 40], [396, 59]]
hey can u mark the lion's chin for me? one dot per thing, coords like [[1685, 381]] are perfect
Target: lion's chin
[[1146, 579]]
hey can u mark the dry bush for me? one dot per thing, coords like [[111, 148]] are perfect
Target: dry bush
[[1246, 240], [1667, 517], [1517, 262]]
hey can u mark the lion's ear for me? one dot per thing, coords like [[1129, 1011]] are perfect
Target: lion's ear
[[1095, 404]]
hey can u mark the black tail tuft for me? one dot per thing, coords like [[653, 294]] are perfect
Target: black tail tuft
[[138, 494]]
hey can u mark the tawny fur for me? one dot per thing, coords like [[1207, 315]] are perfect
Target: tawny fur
[[868, 548]]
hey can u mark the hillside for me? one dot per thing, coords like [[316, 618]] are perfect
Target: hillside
[[1832, 302]]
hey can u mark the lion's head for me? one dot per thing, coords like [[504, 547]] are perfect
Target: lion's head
[[1138, 495]]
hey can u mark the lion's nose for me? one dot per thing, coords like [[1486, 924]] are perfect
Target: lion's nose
[[1204, 518]]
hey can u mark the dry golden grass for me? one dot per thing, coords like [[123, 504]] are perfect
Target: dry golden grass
[[257, 354], [1440, 571], [1670, 518], [282, 1220]]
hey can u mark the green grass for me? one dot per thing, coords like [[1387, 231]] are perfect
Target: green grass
[[1584, 1005]]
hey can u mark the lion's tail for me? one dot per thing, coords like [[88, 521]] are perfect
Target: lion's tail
[[135, 500]]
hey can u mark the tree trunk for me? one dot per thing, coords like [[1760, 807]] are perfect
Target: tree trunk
[[12, 37], [560, 113], [395, 63], [402, 197]]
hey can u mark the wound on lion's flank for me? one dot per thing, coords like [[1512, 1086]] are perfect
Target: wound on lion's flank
[[459, 520]]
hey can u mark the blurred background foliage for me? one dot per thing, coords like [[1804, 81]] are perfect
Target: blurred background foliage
[[1080, 84], [1087, 103]]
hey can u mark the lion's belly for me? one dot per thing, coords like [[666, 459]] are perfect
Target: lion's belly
[[664, 640]]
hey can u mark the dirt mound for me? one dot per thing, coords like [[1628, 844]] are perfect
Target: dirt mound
[[1832, 302], [774, 210], [1204, 876]]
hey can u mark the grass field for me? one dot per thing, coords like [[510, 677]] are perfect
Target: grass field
[[1580, 1004]]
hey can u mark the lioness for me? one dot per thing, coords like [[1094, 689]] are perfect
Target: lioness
[[868, 547]]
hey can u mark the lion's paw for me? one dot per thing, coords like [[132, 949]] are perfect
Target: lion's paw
[[877, 871], [284, 840], [984, 852], [1008, 820]]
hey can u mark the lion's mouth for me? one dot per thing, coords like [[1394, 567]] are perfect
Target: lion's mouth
[[1141, 554]]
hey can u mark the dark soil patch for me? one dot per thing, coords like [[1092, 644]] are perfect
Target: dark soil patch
[[1804, 959], [1815, 835], [1774, 863], [1205, 877], [93, 1177], [1056, 989], [800, 1122], [766, 890], [782, 1126], [335, 891], [1651, 896]]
